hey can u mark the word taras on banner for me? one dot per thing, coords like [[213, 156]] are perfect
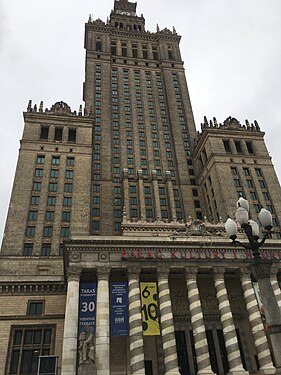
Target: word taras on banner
[[119, 316], [87, 306], [150, 312]]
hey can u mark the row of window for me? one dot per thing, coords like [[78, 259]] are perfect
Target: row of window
[[54, 173], [47, 231], [58, 135], [49, 215], [53, 187], [239, 147], [55, 160]]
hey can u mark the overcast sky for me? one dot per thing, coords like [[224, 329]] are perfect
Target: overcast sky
[[231, 49]]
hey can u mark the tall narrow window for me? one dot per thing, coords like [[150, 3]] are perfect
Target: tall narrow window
[[72, 135], [58, 134], [44, 132], [98, 46], [226, 145], [238, 147]]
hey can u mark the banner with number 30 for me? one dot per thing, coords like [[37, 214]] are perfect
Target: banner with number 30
[[150, 312]]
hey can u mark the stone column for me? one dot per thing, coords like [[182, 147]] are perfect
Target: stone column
[[156, 195], [261, 269], [102, 322], [197, 321], [135, 323], [171, 195], [230, 338], [141, 195], [167, 323], [266, 365], [275, 285], [69, 351]]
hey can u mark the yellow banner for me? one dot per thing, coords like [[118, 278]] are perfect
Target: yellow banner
[[149, 309]]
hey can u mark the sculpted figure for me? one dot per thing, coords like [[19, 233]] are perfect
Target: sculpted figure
[[86, 345]]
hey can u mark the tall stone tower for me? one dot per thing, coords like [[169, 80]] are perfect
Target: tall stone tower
[[124, 194]]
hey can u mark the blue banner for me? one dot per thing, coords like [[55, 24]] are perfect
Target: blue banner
[[119, 315], [87, 306]]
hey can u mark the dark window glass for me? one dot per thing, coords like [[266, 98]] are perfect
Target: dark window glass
[[58, 134], [44, 132], [38, 172], [70, 162], [37, 186], [35, 308], [95, 225], [66, 216], [51, 201], [68, 188], [226, 145], [238, 147], [67, 201], [30, 231], [64, 231], [32, 215], [46, 249], [258, 172], [250, 147], [55, 160], [48, 231], [266, 196], [49, 216], [72, 135], [27, 249], [53, 186], [54, 173], [35, 200]]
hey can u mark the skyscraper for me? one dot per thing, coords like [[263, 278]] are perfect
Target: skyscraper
[[126, 194]]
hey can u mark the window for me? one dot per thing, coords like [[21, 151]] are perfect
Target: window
[[250, 183], [246, 171], [58, 134], [262, 184], [96, 188], [32, 215], [163, 202], [269, 208], [258, 172], [266, 196], [72, 135], [196, 204], [44, 133], [36, 186], [134, 212], [55, 160], [67, 201], [38, 172], [51, 201], [68, 188], [195, 192], [226, 145], [96, 212], [95, 225], [164, 214], [46, 250], [249, 147], [40, 159], [238, 147], [257, 207], [27, 249], [64, 231], [147, 190], [54, 173], [68, 174], [70, 162], [133, 189], [49, 216], [30, 231], [134, 201], [253, 195], [48, 231], [35, 307], [53, 186], [117, 190], [66, 216], [27, 344], [35, 200], [117, 213], [236, 182]]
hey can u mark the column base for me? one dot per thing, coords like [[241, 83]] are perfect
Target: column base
[[206, 371], [238, 371], [267, 370]]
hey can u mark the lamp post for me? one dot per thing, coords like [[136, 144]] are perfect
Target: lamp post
[[260, 268]]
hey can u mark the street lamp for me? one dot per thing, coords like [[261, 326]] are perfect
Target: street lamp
[[260, 268]]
